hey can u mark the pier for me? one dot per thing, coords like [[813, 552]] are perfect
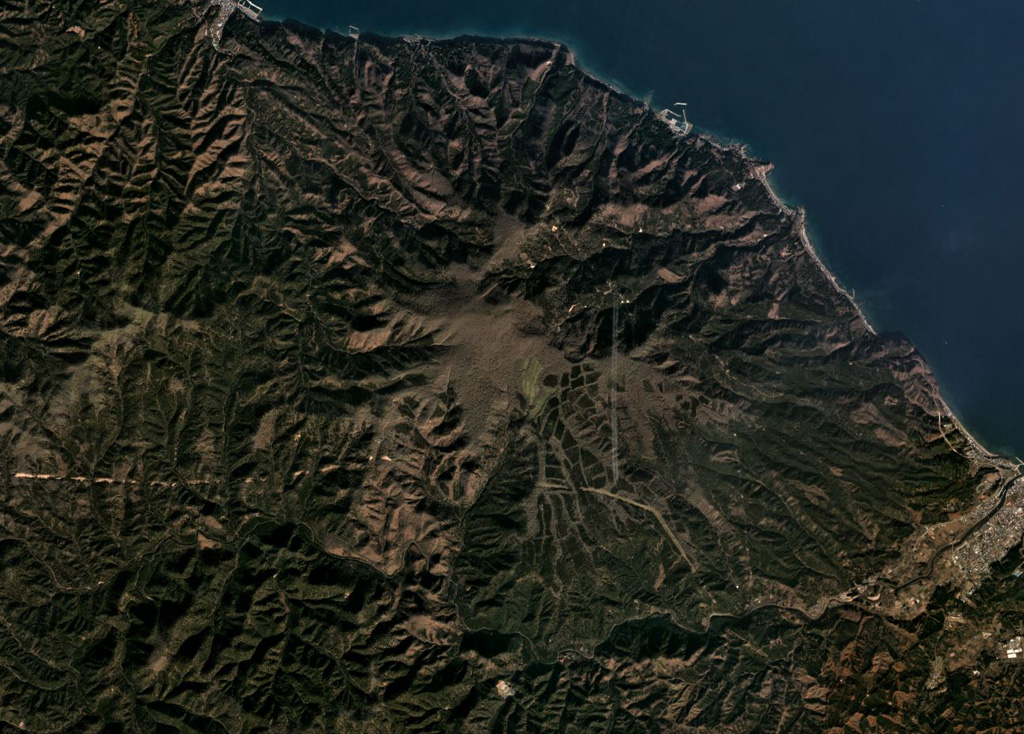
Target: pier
[[679, 124], [249, 8], [226, 7]]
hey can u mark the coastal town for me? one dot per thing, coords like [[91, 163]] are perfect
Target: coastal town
[[225, 9]]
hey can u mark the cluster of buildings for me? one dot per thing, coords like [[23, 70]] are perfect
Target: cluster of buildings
[[227, 7], [1014, 648]]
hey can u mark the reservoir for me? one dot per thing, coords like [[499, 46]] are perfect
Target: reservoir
[[897, 125]]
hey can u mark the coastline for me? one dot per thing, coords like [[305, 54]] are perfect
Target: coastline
[[571, 45], [758, 168], [761, 169]]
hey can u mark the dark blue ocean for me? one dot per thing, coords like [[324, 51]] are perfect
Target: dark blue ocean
[[896, 123]]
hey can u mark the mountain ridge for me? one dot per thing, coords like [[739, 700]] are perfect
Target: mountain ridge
[[377, 384]]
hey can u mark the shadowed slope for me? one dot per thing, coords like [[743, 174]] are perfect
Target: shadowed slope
[[344, 378]]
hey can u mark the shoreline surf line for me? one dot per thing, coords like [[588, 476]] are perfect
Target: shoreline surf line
[[758, 167], [761, 169]]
